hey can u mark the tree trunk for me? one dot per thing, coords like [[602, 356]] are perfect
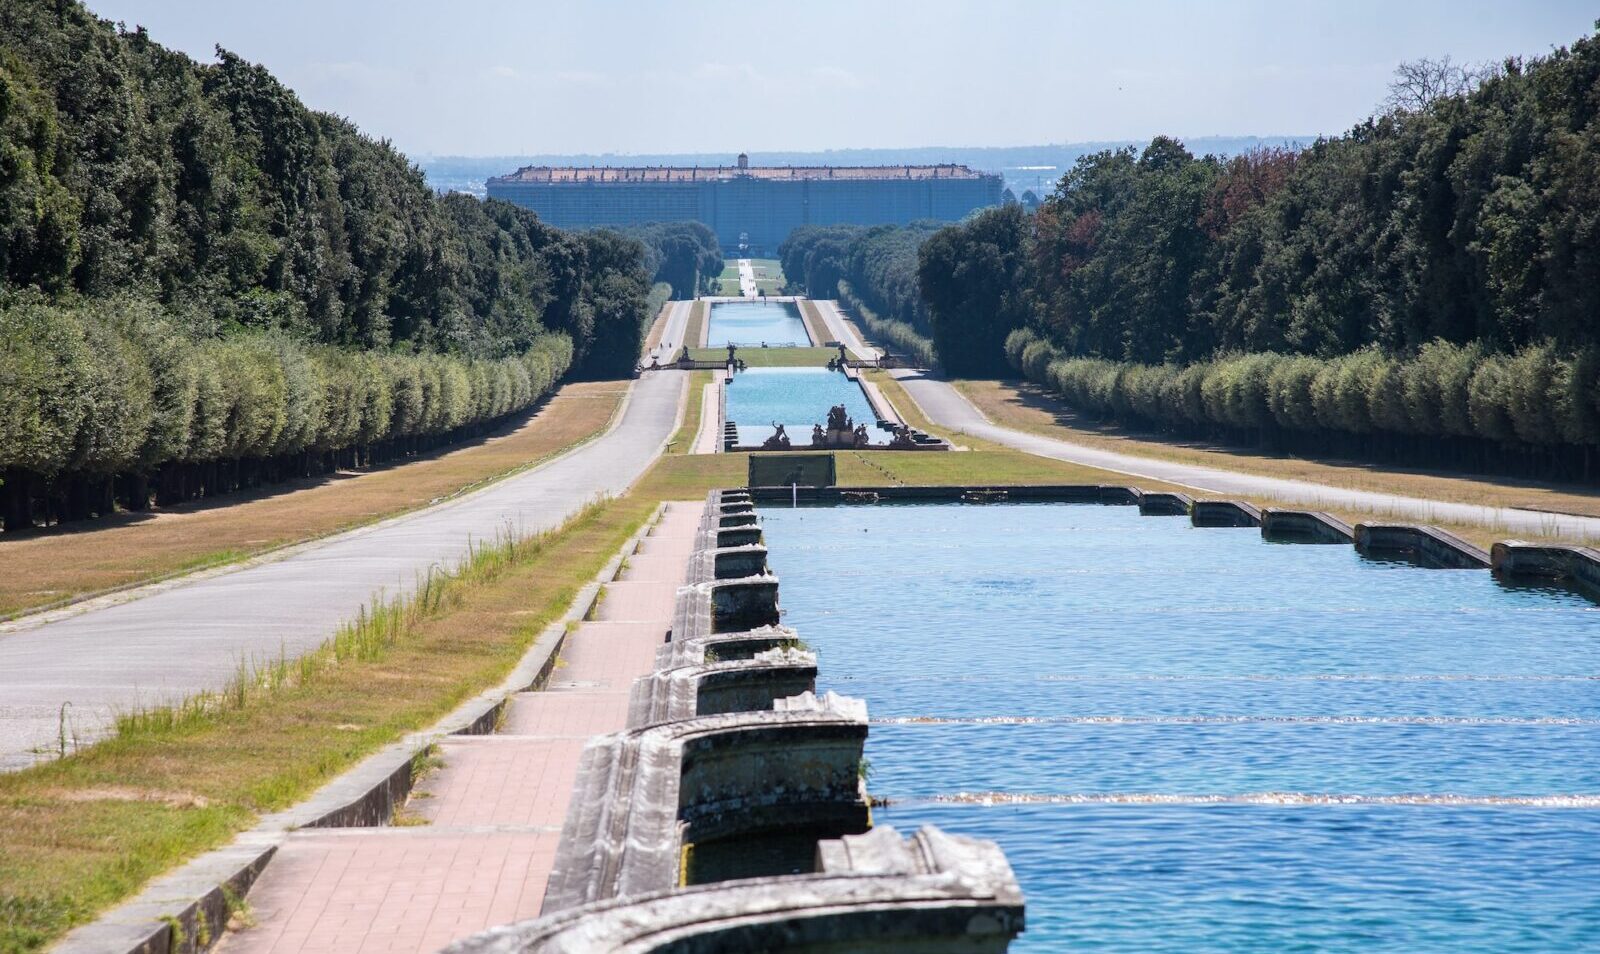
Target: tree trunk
[[18, 499]]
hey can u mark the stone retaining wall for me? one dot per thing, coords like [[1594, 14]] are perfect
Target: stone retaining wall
[[733, 768]]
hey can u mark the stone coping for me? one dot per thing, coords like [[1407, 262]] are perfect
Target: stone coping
[[692, 689], [642, 794], [1304, 526], [179, 910], [1575, 566], [1429, 546], [721, 748], [874, 892], [1224, 513]]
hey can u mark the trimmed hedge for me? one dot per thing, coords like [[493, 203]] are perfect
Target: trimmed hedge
[[111, 391], [899, 334], [1539, 396]]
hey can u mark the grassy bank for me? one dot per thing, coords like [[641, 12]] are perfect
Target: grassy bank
[[682, 441], [694, 330], [46, 567], [86, 832], [1026, 407]]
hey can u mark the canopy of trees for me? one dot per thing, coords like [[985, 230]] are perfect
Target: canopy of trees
[[874, 271], [1440, 262], [685, 255], [203, 281]]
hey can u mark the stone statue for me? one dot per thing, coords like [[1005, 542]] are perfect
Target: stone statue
[[861, 438], [731, 356], [902, 437], [838, 418], [818, 437], [844, 360], [779, 439]]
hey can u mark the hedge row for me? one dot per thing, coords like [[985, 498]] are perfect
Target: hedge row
[[904, 338], [1537, 396], [112, 388]]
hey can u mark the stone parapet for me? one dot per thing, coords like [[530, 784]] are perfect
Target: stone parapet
[[733, 772], [1224, 513], [643, 795], [751, 683], [1304, 526], [1578, 567], [873, 893], [1428, 546]]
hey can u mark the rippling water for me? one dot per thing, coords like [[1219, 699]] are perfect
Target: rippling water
[[751, 323], [797, 398], [1191, 739]]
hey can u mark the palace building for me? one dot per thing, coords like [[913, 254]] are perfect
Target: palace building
[[751, 208]]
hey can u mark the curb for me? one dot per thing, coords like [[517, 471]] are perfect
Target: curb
[[187, 910]]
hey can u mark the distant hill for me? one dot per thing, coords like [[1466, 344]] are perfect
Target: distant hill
[[1023, 167]]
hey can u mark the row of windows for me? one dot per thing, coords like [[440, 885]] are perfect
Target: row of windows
[[763, 212]]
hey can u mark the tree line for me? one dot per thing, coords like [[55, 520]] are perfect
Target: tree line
[[1431, 273], [873, 271], [204, 284], [684, 255]]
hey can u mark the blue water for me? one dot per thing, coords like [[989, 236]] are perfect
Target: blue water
[[797, 398], [1192, 740], [749, 323]]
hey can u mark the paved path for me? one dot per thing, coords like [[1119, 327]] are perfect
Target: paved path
[[673, 334], [948, 408], [492, 815], [708, 440], [170, 641], [747, 278]]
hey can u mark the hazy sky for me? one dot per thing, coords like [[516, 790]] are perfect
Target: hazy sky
[[497, 77]]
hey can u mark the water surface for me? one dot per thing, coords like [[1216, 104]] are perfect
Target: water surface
[[797, 398], [1193, 740], [750, 323]]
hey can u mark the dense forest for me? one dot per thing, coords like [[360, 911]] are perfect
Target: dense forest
[[1433, 273], [204, 284]]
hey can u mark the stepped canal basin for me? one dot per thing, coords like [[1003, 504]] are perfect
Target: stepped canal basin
[[1195, 740], [797, 398], [752, 324]]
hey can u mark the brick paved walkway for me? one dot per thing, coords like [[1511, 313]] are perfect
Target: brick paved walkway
[[487, 823]]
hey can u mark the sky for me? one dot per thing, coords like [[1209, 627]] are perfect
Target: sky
[[518, 77]]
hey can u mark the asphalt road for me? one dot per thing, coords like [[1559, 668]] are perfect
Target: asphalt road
[[172, 640], [948, 408]]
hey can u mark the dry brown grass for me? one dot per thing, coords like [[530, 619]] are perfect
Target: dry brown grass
[[47, 567], [1027, 408]]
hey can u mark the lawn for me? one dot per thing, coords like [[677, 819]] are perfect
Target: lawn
[[1026, 407]]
